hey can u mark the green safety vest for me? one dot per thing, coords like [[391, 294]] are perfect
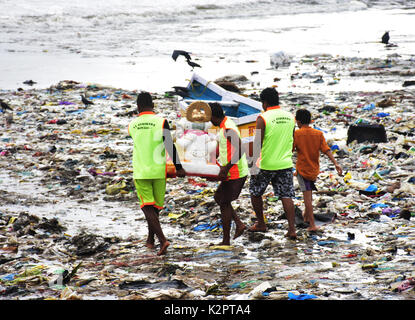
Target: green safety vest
[[149, 153], [276, 152], [226, 150]]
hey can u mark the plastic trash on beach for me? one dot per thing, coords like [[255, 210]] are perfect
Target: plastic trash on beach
[[303, 296], [113, 189], [256, 293], [279, 59]]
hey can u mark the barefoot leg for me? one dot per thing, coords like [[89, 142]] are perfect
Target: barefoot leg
[[240, 226], [154, 227], [288, 206], [257, 204], [308, 213], [226, 216], [163, 248]]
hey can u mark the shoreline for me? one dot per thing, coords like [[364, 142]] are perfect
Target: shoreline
[[339, 73], [49, 62]]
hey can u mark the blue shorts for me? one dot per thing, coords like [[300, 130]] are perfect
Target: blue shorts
[[305, 185]]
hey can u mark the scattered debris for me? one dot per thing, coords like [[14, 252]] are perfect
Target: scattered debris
[[67, 168]]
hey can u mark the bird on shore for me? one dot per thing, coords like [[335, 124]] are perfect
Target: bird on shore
[[4, 106], [186, 54], [29, 82], [385, 37], [193, 64], [179, 91], [85, 101]]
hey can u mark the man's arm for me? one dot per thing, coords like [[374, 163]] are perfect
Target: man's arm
[[171, 149], [331, 157], [326, 150]]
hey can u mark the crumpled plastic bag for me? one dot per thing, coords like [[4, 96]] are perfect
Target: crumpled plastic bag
[[113, 189]]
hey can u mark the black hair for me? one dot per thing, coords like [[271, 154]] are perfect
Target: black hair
[[303, 115], [270, 95], [144, 99], [217, 110]]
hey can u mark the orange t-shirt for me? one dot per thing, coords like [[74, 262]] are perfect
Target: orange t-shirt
[[309, 142]]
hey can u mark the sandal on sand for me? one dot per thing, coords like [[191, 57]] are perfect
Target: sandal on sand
[[255, 228]]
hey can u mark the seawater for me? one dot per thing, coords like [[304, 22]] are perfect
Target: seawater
[[129, 43]]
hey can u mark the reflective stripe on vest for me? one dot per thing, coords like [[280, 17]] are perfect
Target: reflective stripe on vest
[[226, 150], [149, 154]]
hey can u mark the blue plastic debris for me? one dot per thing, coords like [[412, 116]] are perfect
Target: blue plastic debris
[[383, 114], [326, 243], [9, 277], [335, 147], [372, 188], [224, 253], [98, 97], [378, 205], [368, 107], [292, 296], [207, 226], [76, 111]]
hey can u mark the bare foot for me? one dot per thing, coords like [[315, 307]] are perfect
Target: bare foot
[[291, 236], [150, 245], [313, 229], [150, 241], [163, 248], [257, 228], [239, 231]]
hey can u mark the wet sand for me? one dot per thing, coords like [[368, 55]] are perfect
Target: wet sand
[[61, 208]]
